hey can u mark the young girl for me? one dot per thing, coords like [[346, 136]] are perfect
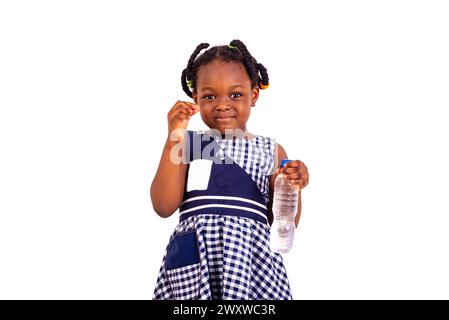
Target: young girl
[[221, 180]]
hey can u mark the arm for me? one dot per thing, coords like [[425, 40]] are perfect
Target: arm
[[282, 154], [167, 188]]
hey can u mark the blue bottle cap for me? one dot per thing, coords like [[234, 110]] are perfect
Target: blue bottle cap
[[283, 162]]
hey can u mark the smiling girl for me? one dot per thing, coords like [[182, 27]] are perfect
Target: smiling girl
[[220, 248]]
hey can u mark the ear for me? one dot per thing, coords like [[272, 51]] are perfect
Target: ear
[[194, 97], [254, 95]]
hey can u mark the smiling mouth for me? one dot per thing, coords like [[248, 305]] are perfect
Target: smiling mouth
[[224, 118]]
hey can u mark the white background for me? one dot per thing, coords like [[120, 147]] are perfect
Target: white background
[[359, 92]]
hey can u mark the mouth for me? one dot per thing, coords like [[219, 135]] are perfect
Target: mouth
[[224, 118]]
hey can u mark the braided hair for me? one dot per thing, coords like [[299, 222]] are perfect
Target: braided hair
[[236, 51]]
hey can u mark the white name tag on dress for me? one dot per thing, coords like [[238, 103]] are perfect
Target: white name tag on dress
[[199, 174]]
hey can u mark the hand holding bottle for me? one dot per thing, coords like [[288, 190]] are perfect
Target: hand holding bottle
[[297, 173]]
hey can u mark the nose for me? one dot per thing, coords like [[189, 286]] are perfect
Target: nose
[[222, 107], [223, 104]]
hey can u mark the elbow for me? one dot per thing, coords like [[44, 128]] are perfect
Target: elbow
[[160, 206], [163, 211]]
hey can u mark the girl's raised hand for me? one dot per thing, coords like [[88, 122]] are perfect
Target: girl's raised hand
[[179, 115], [297, 172]]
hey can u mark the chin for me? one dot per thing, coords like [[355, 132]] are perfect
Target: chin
[[225, 126]]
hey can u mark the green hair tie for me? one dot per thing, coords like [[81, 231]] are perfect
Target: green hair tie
[[189, 83], [232, 47]]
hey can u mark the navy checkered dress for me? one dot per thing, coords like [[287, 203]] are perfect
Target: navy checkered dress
[[220, 249]]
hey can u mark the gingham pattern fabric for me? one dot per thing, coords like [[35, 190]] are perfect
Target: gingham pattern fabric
[[235, 263], [235, 259], [185, 280]]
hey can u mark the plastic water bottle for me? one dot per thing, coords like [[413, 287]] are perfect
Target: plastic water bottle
[[285, 207]]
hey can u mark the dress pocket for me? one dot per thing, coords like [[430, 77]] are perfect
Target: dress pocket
[[182, 265]]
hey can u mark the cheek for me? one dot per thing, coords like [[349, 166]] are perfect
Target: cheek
[[245, 113], [204, 115]]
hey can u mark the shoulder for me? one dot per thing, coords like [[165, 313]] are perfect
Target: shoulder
[[280, 152], [267, 143], [274, 148]]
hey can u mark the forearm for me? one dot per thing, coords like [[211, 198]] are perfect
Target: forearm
[[167, 188]]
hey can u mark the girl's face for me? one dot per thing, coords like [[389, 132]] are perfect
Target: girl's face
[[223, 93]]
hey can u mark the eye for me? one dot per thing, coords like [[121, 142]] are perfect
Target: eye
[[209, 95], [238, 94]]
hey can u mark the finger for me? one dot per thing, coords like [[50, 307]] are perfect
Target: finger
[[179, 118], [194, 106], [290, 170], [179, 112], [304, 172], [304, 176], [192, 103], [183, 108], [293, 164], [294, 175], [183, 116], [177, 105], [187, 107], [184, 104], [303, 182]]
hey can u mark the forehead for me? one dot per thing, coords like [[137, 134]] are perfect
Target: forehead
[[222, 73]]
